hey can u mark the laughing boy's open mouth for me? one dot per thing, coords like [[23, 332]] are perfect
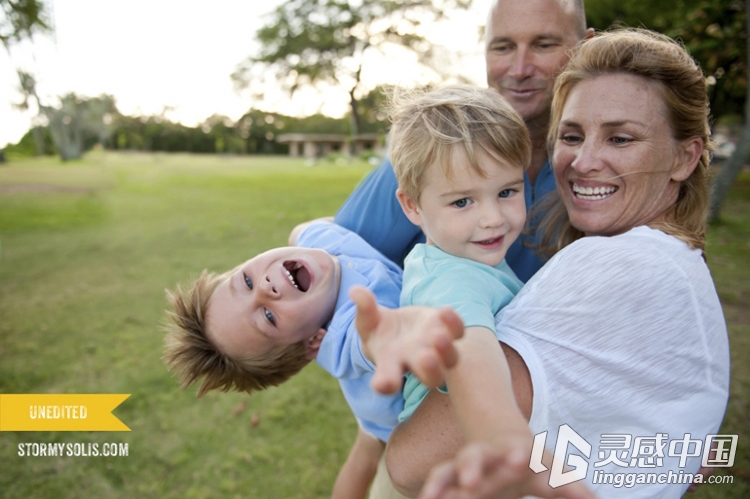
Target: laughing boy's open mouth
[[298, 275]]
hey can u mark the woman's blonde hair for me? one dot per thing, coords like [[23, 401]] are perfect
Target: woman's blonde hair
[[676, 76]]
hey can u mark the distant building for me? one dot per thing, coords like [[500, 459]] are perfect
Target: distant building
[[314, 145]]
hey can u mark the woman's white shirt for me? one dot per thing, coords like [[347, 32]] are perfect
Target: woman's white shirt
[[624, 336]]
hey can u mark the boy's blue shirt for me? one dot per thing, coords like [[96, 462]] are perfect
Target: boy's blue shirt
[[341, 351]]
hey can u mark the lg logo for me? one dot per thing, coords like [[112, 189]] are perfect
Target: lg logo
[[560, 459]]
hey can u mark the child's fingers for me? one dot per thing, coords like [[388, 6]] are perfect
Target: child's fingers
[[426, 367], [485, 472], [442, 480], [388, 378], [389, 372], [453, 323], [368, 316], [478, 464], [446, 351], [452, 329], [575, 490]]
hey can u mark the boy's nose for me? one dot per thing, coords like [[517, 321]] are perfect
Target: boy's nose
[[492, 216], [268, 287]]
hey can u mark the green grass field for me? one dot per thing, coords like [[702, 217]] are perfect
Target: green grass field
[[86, 251]]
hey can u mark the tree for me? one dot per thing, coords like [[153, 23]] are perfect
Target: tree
[[73, 122], [21, 19], [78, 123], [371, 107], [312, 41], [714, 31], [732, 168], [28, 90]]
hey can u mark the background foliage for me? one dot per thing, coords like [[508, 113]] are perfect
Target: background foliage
[[254, 133], [307, 42], [713, 30]]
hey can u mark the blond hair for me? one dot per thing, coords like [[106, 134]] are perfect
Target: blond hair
[[428, 124], [678, 79], [189, 353]]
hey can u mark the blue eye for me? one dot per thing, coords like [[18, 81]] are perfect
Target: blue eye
[[269, 316], [249, 282], [461, 203], [506, 193]]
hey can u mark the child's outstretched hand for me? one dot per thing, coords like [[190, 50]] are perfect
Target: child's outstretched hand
[[416, 339], [482, 471]]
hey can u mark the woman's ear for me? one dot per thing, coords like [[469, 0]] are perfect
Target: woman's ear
[[689, 154], [409, 206], [312, 345]]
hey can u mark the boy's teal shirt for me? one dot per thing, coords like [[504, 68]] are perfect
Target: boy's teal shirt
[[474, 290]]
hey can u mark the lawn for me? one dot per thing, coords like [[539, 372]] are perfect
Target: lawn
[[86, 251]]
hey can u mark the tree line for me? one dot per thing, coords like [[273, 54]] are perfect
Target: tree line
[[77, 124]]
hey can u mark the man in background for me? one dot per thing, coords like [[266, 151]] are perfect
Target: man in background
[[527, 43]]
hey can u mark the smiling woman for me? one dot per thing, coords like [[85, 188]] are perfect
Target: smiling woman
[[621, 333], [618, 166], [657, 121]]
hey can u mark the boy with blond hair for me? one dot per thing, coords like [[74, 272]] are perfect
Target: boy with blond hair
[[459, 155], [262, 322]]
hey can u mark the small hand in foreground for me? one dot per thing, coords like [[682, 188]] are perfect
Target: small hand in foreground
[[416, 339], [480, 471]]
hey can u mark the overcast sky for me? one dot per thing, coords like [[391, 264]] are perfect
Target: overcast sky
[[179, 53]]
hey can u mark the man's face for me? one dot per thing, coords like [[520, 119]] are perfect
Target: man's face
[[527, 46]]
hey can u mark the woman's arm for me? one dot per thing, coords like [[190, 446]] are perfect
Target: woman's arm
[[433, 434], [437, 431], [482, 471], [428, 454]]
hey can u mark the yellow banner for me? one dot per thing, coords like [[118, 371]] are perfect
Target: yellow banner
[[69, 412]]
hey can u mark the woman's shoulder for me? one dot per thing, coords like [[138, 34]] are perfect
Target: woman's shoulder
[[640, 244], [639, 255], [636, 236]]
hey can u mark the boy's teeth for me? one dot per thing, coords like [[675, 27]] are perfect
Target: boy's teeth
[[289, 275]]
